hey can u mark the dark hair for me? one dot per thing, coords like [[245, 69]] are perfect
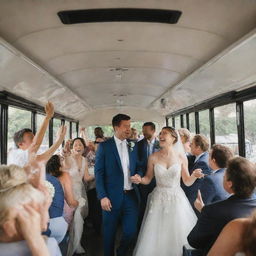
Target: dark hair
[[98, 132], [249, 237], [53, 166], [172, 131], [242, 173], [201, 141], [151, 124], [18, 136], [221, 154], [78, 138], [116, 121]]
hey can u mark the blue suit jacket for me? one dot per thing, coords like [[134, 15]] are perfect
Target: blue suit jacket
[[109, 173], [202, 163], [215, 216], [143, 153], [212, 189]]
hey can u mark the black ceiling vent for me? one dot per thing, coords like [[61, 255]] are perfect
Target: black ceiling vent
[[119, 15]]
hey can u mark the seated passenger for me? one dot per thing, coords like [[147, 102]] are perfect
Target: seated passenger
[[58, 226], [199, 148], [54, 168], [23, 216], [237, 238], [29, 144], [212, 189], [25, 140], [240, 181]]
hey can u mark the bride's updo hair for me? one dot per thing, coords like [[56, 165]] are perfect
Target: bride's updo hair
[[15, 190], [173, 132]]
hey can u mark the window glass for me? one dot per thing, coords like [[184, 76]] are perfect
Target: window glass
[[192, 127], [67, 124], [225, 126], [250, 129], [17, 119], [56, 126], [177, 122], [74, 133], [204, 123]]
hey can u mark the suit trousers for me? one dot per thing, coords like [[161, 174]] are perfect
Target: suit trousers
[[128, 215]]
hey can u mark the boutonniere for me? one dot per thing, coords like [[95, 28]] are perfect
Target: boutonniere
[[131, 145]]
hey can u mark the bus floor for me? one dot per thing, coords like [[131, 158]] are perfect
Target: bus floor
[[93, 242]]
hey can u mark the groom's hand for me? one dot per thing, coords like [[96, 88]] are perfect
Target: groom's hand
[[106, 204], [136, 179]]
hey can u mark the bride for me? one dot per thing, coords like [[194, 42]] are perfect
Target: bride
[[169, 217]]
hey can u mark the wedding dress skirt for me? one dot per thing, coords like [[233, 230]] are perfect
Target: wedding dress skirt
[[77, 225], [168, 218]]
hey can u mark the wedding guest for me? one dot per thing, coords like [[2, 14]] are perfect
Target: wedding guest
[[147, 146], [237, 238], [240, 181], [25, 140], [58, 226], [211, 189], [134, 134], [95, 214], [54, 167], [99, 135], [185, 137], [199, 148], [23, 216], [77, 167]]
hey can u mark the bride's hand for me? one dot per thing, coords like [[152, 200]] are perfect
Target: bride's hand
[[198, 173], [136, 179]]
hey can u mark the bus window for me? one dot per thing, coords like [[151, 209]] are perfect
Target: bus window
[[204, 123], [67, 124], [56, 125], [225, 126], [74, 133], [177, 122], [250, 131], [192, 127]]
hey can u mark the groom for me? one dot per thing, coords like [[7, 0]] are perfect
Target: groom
[[116, 161]]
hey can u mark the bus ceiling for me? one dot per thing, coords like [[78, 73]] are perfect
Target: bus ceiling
[[128, 57]]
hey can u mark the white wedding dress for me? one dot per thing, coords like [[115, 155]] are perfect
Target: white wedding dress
[[81, 211], [168, 218]]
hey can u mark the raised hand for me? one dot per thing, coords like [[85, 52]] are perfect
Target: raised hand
[[67, 148], [105, 204], [136, 179], [49, 110], [199, 204], [82, 129]]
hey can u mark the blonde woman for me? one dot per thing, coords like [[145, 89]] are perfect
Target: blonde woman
[[23, 216]]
